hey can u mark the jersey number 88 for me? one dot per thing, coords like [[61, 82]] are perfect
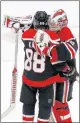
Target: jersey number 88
[[33, 62]]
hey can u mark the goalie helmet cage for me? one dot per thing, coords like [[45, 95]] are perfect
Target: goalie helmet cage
[[13, 82]]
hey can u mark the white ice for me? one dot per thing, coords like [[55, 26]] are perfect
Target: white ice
[[18, 8]]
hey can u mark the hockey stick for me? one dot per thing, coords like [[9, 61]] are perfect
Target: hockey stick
[[14, 81]]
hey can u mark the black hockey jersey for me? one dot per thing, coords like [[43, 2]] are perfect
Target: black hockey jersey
[[38, 70]]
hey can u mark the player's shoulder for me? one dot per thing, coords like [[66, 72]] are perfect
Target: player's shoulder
[[66, 33], [66, 30], [52, 35], [30, 33]]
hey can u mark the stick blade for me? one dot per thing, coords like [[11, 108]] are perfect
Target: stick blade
[[12, 106]]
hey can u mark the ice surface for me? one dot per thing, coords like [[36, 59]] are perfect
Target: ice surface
[[7, 55]]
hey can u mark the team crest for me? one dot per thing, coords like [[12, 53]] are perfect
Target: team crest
[[41, 37]]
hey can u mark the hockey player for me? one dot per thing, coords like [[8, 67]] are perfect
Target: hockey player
[[38, 73], [60, 110], [63, 90]]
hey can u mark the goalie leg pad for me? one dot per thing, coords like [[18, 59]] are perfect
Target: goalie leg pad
[[61, 112], [62, 95]]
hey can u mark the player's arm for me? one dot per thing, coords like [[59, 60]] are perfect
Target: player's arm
[[64, 51], [67, 49]]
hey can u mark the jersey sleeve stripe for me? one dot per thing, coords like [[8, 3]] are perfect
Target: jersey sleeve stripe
[[71, 48], [71, 51], [57, 62], [61, 52], [68, 49], [49, 51], [54, 57]]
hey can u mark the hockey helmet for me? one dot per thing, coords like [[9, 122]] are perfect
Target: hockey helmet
[[40, 20], [58, 20]]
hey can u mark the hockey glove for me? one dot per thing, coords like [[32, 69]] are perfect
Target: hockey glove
[[70, 73]]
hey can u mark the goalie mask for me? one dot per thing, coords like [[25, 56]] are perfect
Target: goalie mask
[[58, 20], [40, 20]]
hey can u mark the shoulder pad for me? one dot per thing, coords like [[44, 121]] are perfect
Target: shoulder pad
[[29, 34]]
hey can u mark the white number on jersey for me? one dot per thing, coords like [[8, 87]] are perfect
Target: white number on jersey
[[32, 62]]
